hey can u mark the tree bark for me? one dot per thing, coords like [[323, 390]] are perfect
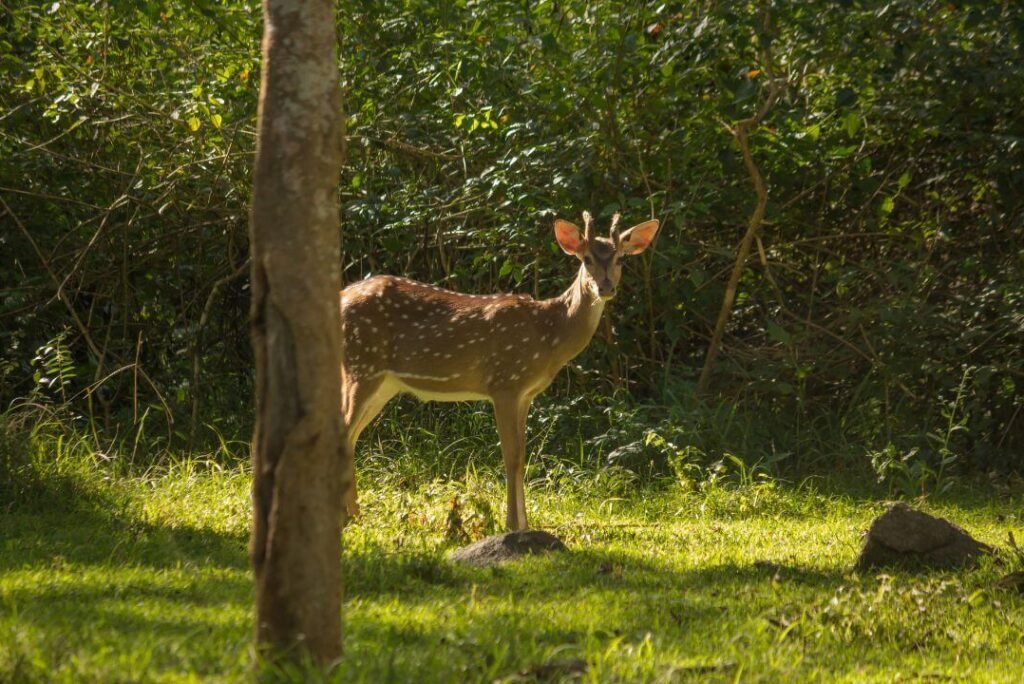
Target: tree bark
[[297, 469]]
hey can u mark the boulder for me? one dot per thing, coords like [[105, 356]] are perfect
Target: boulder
[[507, 546], [903, 536]]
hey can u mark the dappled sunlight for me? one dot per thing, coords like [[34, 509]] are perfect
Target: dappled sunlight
[[702, 581], [125, 618]]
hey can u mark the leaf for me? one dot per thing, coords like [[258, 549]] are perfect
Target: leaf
[[778, 333], [193, 123], [701, 26], [217, 120], [978, 598], [904, 180], [851, 122], [842, 151], [784, 388], [888, 204]]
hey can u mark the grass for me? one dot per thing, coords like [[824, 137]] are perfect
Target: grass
[[130, 577]]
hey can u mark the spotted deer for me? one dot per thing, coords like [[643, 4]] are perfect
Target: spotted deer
[[404, 336]]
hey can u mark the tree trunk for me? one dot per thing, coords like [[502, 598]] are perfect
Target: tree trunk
[[297, 469]]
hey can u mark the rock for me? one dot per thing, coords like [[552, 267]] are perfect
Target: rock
[[507, 546], [907, 537]]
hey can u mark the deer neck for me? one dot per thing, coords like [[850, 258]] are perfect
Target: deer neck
[[581, 308]]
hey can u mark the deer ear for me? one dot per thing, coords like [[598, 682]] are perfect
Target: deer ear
[[636, 239], [568, 236]]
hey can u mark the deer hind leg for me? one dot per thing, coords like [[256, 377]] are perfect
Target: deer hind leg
[[510, 415], [362, 400]]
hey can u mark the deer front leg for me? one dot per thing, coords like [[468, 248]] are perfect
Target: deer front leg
[[510, 415], [349, 497]]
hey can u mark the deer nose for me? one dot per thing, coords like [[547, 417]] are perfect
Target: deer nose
[[606, 289]]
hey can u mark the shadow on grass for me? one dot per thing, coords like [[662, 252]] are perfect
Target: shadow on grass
[[371, 573], [860, 486], [87, 587], [90, 536], [151, 603]]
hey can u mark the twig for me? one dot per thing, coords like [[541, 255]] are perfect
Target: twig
[[741, 132], [135, 381], [47, 196], [103, 223], [196, 362], [412, 150]]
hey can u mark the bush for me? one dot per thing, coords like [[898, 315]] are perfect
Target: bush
[[889, 269]]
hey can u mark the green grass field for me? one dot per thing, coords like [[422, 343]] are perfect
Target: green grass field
[[145, 578]]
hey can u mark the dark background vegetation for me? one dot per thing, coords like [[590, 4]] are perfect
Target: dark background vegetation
[[879, 322]]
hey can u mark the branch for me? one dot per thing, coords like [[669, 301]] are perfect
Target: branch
[[196, 361], [412, 150], [741, 132]]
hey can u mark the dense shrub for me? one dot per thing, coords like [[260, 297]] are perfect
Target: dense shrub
[[882, 306]]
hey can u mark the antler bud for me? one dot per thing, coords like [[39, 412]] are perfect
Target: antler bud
[[588, 222], [615, 229]]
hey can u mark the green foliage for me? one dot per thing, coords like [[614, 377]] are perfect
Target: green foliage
[[891, 261], [919, 472], [125, 146]]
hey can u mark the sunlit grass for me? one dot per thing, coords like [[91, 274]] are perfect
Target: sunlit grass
[[145, 578]]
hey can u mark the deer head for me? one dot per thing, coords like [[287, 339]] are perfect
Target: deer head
[[601, 269]]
